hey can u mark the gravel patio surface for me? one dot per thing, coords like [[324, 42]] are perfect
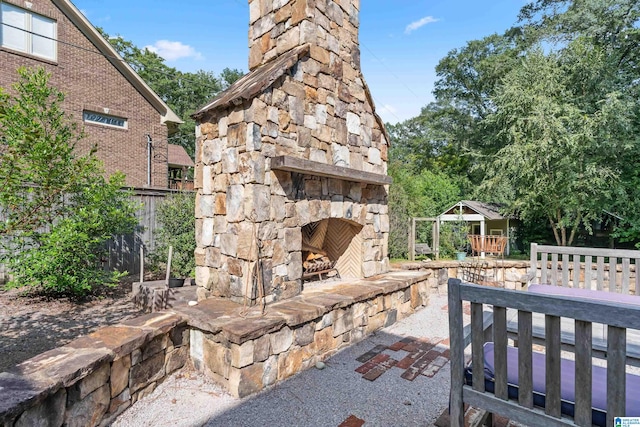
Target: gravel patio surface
[[334, 396]]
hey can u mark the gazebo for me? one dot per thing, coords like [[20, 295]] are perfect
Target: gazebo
[[489, 229]]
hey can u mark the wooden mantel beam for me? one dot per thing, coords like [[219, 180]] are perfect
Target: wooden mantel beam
[[309, 167]]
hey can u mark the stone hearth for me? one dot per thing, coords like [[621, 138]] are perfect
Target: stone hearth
[[296, 142]]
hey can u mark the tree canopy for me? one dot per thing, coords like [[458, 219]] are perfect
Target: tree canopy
[[544, 118]]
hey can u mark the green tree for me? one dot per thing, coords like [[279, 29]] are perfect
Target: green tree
[[592, 60], [58, 209], [177, 224], [398, 222], [422, 194], [605, 22], [184, 92], [562, 159], [612, 27]]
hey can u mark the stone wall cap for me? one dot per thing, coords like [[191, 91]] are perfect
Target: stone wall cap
[[410, 277], [120, 340], [296, 311], [62, 366], [18, 392], [240, 331], [407, 266], [327, 300], [159, 323], [358, 291], [387, 286], [210, 315]]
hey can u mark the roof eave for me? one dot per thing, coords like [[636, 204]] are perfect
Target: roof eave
[[71, 11], [488, 216], [245, 88]]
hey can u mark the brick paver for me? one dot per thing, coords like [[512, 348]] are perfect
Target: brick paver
[[380, 369], [375, 361], [371, 353], [352, 421], [424, 357]]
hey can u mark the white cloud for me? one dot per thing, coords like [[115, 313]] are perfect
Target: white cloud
[[173, 50], [420, 23]]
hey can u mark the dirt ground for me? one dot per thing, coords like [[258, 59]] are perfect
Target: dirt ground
[[32, 325]]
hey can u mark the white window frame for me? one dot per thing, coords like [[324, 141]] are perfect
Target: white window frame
[[102, 119], [30, 38]]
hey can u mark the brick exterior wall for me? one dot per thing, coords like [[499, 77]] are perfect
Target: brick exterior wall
[[91, 82]]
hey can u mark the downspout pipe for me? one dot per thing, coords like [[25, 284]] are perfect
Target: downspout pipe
[[149, 150]]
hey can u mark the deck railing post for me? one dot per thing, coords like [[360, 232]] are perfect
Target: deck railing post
[[456, 328]]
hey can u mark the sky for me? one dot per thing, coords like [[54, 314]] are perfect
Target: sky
[[401, 41]]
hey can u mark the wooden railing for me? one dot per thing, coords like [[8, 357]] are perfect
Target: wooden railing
[[179, 184], [590, 268], [525, 405], [487, 244]]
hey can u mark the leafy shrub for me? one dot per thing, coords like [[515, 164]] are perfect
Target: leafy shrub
[[453, 238], [176, 219], [68, 259], [58, 208]]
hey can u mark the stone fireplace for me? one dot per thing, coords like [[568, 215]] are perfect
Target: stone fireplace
[[291, 160]]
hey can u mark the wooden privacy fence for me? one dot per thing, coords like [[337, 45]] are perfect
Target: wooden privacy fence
[[124, 251]]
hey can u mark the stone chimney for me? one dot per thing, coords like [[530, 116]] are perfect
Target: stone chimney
[[291, 160], [329, 26]]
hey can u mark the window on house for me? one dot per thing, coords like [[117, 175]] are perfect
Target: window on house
[[27, 32], [103, 119]]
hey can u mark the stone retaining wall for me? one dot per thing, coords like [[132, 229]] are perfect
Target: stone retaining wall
[[504, 273], [93, 379], [295, 335]]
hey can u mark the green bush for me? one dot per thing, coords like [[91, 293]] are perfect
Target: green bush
[[67, 260], [176, 220], [453, 238], [58, 208]]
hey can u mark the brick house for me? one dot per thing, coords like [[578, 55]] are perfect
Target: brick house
[[119, 112], [180, 163]]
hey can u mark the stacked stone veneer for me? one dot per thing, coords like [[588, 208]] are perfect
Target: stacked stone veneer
[[331, 25], [93, 379], [247, 355], [317, 107], [503, 273]]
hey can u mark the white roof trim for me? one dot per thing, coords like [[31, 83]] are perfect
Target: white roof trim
[[72, 12]]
